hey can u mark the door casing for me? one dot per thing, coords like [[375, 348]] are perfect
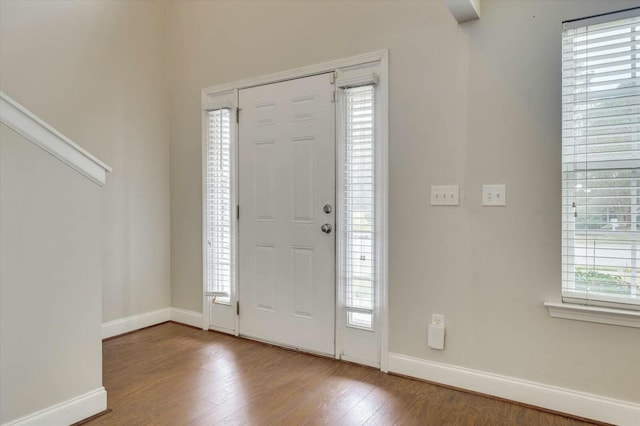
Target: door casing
[[226, 96]]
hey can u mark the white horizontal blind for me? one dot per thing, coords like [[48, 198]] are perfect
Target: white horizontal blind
[[358, 216], [601, 163], [218, 219]]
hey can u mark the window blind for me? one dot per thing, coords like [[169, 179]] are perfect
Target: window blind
[[358, 216], [601, 162], [218, 219]]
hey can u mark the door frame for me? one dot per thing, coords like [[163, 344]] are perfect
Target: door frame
[[226, 96]]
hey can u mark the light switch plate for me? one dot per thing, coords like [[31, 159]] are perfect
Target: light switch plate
[[494, 195], [445, 195]]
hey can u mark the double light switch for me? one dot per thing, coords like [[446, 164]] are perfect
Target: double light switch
[[494, 195]]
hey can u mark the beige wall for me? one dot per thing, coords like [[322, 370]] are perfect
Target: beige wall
[[471, 104], [50, 279], [95, 70]]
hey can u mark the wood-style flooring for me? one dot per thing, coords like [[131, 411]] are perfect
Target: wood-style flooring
[[171, 374]]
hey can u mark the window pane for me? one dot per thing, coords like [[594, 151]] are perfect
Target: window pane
[[218, 219], [358, 319], [601, 162], [358, 194]]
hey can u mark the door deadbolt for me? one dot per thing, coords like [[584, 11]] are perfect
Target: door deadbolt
[[327, 208]]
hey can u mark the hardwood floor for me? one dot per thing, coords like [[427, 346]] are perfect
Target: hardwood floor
[[176, 375]]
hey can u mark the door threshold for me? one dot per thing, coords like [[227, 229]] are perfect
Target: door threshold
[[287, 347]]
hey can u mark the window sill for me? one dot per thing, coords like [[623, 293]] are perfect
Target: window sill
[[594, 314]]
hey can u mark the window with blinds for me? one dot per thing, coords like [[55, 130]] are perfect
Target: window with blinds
[[218, 211], [358, 215], [601, 161]]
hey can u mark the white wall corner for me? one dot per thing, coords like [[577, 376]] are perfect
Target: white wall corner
[[135, 322], [67, 412], [568, 401], [183, 316], [464, 10], [55, 143]]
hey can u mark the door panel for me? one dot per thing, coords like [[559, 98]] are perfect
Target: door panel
[[286, 176]]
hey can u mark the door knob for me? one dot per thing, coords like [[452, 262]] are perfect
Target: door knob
[[326, 228]]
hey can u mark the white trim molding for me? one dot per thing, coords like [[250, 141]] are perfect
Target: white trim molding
[[568, 401], [55, 143], [67, 412], [627, 318], [183, 316], [307, 71], [135, 322]]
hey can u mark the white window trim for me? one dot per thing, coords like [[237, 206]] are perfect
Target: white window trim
[[227, 95], [603, 314], [212, 101], [600, 19], [612, 316], [355, 343]]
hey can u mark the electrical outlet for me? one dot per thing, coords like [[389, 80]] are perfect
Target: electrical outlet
[[445, 195], [437, 319], [494, 195]]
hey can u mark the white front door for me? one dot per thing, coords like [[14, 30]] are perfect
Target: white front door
[[286, 178]]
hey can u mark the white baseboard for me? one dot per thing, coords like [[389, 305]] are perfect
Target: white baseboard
[[184, 316], [68, 412], [552, 398], [135, 322]]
